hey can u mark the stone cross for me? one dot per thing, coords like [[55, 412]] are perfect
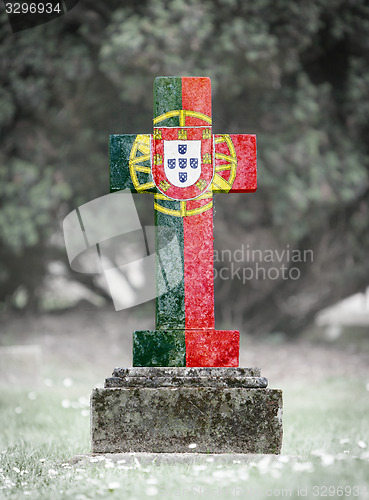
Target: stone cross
[[182, 163]]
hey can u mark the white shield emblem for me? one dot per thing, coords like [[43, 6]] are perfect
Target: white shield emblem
[[182, 162]]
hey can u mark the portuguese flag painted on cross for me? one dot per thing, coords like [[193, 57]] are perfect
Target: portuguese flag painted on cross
[[183, 164]]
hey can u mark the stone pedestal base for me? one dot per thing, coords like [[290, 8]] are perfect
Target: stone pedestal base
[[165, 410]]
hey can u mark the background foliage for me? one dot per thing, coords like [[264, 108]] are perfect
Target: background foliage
[[296, 74]]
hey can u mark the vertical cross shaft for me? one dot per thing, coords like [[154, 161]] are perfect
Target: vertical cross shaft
[[191, 304]]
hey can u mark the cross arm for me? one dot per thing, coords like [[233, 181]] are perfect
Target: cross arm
[[235, 163], [130, 163]]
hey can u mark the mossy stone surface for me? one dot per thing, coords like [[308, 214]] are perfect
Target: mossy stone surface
[[168, 420], [186, 377]]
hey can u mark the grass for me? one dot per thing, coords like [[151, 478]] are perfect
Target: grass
[[325, 451]]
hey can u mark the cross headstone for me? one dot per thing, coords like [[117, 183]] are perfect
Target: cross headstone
[[185, 388], [183, 164]]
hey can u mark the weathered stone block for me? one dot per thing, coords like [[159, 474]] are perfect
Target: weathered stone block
[[188, 377], [173, 371], [128, 416]]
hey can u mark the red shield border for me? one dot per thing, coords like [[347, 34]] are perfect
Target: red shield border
[[207, 162]]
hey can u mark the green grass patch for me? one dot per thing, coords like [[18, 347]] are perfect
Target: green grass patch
[[325, 451]]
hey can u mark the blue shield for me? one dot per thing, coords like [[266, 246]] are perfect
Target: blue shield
[[171, 163], [194, 162], [182, 149], [182, 162], [182, 176]]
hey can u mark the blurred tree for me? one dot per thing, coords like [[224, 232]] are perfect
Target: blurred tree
[[296, 74]]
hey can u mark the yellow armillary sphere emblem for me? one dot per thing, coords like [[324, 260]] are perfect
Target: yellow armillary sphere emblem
[[140, 170]]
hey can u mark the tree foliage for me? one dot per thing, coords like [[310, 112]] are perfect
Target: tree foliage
[[294, 73]]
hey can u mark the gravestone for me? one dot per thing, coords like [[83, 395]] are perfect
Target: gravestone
[[185, 387]]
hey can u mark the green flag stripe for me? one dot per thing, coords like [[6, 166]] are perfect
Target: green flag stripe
[[167, 97], [170, 306], [119, 150]]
